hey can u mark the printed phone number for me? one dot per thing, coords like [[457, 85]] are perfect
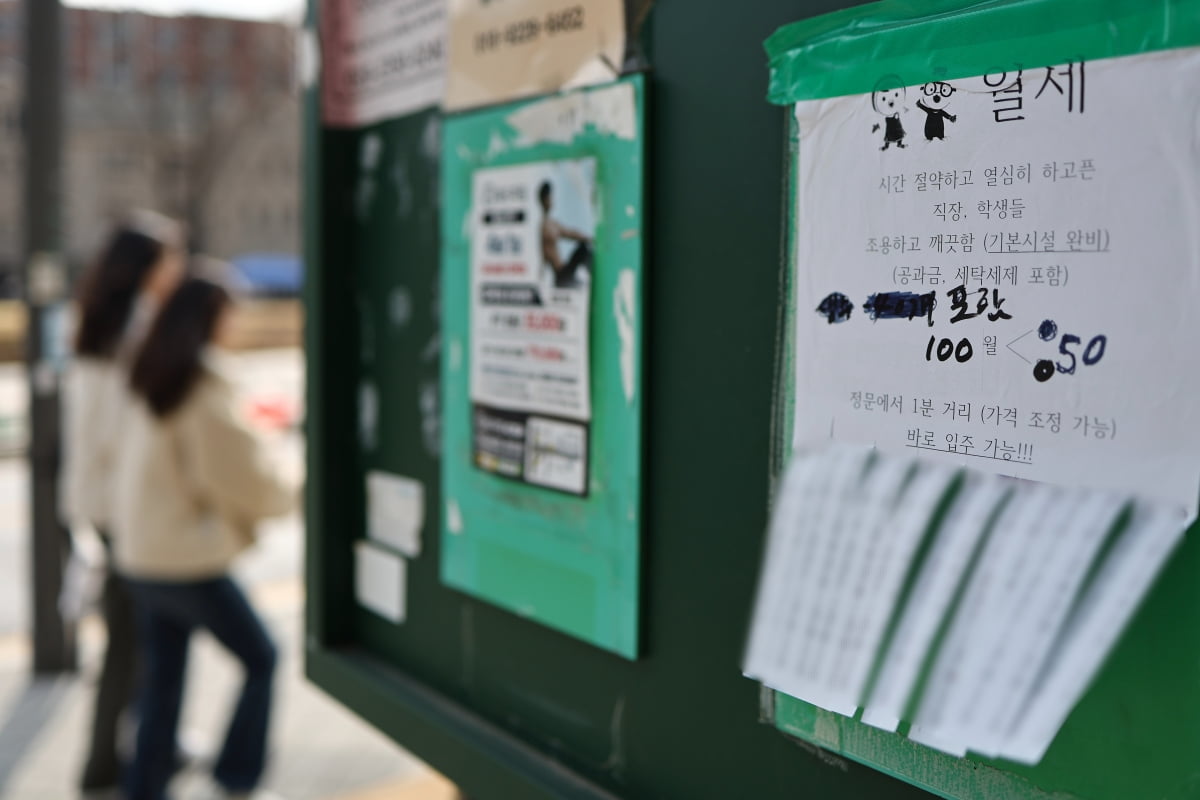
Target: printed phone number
[[419, 57], [526, 31]]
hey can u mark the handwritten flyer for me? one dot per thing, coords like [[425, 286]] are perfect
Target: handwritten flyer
[[993, 271]]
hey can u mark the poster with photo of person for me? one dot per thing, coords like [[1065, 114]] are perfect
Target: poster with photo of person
[[531, 258]]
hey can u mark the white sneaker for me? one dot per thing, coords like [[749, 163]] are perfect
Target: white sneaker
[[257, 794], [214, 791], [102, 794], [192, 752]]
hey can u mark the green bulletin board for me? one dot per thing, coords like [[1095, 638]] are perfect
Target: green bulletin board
[[508, 707], [1134, 734], [566, 555]]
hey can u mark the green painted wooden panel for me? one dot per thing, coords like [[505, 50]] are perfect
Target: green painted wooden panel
[[511, 708], [568, 562]]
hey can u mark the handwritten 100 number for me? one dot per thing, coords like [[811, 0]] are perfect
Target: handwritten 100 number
[[1068, 347]]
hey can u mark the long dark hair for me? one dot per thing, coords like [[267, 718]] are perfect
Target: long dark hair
[[111, 287], [170, 362]]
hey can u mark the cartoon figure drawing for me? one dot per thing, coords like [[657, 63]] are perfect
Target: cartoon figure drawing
[[936, 115], [888, 100]]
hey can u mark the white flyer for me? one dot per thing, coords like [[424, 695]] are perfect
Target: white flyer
[[381, 58], [532, 229], [941, 576], [395, 511], [999, 271], [1094, 627], [380, 581]]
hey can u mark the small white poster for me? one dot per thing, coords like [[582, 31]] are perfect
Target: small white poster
[[395, 511], [380, 581], [1000, 271], [532, 229], [381, 58]]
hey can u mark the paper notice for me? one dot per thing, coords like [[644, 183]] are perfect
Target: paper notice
[[843, 536], [897, 505], [990, 626], [380, 581], [519, 48], [395, 511], [1096, 622], [941, 575], [802, 545], [1020, 592], [1038, 606], [381, 59], [962, 284], [954, 680]]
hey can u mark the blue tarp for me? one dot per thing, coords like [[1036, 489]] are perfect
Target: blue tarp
[[271, 273]]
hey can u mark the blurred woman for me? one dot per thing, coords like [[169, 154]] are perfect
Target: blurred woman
[[136, 271], [191, 484]]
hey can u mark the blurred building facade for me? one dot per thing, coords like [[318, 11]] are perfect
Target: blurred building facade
[[195, 116]]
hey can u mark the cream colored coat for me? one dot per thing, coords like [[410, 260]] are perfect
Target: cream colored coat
[[94, 398], [191, 487]]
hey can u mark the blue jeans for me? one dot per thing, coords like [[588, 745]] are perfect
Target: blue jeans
[[167, 615]]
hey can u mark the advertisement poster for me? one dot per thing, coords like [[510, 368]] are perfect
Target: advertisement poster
[[541, 314], [382, 58], [999, 271], [532, 251], [518, 48]]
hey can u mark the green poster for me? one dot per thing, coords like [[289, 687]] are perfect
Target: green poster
[[541, 366]]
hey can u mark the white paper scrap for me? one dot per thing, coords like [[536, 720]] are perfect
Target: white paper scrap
[[990, 639], [960, 664], [897, 514], [1094, 626], [800, 544], [823, 525], [940, 577], [380, 581], [1038, 607], [395, 511], [846, 526], [827, 605]]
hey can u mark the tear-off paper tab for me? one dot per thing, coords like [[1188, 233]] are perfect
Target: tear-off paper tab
[[978, 613]]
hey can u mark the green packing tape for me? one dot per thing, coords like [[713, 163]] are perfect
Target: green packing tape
[[921, 40]]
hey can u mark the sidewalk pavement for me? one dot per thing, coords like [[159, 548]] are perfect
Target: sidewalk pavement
[[320, 751]]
